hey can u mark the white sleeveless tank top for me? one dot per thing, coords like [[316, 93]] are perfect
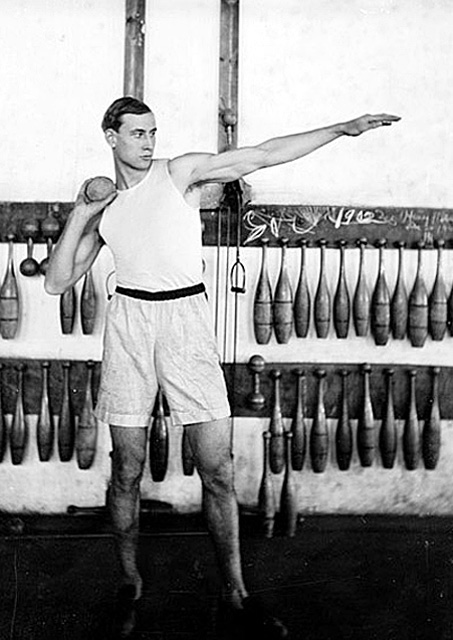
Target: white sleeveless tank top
[[154, 235]]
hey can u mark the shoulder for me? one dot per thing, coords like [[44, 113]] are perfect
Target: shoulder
[[184, 169]]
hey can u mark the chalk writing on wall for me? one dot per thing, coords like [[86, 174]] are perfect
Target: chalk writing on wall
[[335, 222]]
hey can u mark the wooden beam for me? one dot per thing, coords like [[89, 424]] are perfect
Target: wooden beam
[[332, 400], [295, 222], [244, 386], [228, 74], [134, 49]]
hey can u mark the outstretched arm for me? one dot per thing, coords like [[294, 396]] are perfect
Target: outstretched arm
[[78, 245], [234, 164]]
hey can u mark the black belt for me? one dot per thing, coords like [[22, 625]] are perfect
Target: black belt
[[162, 295]]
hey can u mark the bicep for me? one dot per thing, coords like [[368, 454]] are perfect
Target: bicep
[[223, 167]]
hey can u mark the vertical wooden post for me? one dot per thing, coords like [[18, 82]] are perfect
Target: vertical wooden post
[[134, 49], [228, 74]]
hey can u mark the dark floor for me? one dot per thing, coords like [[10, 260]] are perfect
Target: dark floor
[[372, 578]]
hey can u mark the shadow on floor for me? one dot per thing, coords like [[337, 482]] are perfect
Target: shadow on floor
[[340, 578]]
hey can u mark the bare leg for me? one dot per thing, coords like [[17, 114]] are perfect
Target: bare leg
[[211, 446], [128, 457]]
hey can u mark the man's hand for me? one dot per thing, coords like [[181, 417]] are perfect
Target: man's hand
[[364, 123], [91, 209]]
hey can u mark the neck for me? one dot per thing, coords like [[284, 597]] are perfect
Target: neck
[[127, 177]]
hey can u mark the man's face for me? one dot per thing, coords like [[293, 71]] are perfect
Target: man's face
[[133, 145]]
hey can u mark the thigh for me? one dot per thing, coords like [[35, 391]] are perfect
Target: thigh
[[210, 443]]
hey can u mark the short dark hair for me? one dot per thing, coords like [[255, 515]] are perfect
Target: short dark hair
[[118, 108]]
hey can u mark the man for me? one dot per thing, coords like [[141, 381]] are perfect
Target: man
[[158, 330]]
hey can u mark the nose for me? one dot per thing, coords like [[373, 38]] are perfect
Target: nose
[[148, 142]]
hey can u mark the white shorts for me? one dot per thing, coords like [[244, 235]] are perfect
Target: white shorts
[[168, 344]]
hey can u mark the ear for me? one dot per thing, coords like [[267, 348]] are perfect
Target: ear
[[110, 136]]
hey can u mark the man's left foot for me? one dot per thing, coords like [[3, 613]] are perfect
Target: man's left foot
[[252, 621]]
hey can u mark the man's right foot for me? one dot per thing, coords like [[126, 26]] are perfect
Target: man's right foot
[[125, 614]]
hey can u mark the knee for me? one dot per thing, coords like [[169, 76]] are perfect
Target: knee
[[218, 480], [127, 471]]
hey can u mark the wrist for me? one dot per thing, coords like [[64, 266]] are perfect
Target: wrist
[[80, 215], [341, 129]]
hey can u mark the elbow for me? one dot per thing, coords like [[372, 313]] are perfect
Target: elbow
[[57, 280], [52, 288], [265, 155]]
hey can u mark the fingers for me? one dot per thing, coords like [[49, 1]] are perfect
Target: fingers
[[368, 121], [110, 198], [383, 120], [99, 197], [387, 116], [92, 208], [96, 206], [83, 187]]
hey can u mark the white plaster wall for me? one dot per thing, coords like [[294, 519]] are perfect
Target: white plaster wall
[[62, 64], [302, 65], [51, 487], [181, 78], [356, 491], [312, 63]]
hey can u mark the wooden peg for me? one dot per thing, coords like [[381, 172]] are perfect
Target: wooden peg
[[387, 434], [399, 303], [366, 429], [29, 266], [343, 436], [88, 304], [158, 443], [50, 230], [262, 305], [322, 305], [298, 425], [283, 301], [411, 433], [302, 300], [67, 310], [188, 463], [432, 428], [342, 301], [9, 297], [288, 500], [319, 434], [66, 423], [256, 399], [380, 302], [418, 306], [361, 300], [87, 429], [266, 496], [45, 428], [437, 302], [19, 431], [277, 446]]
